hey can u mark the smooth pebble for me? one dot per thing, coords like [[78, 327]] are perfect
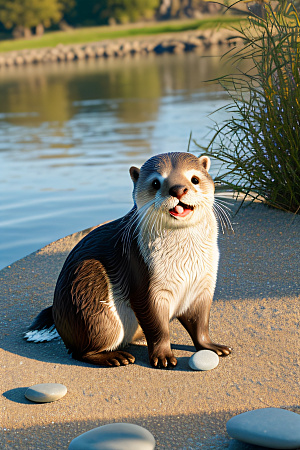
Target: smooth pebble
[[267, 427], [204, 360], [45, 393], [115, 436]]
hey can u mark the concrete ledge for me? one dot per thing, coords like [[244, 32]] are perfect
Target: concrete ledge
[[256, 311]]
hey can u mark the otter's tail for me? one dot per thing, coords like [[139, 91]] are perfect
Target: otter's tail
[[42, 329]]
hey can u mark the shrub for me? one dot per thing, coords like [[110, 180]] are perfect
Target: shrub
[[259, 144]]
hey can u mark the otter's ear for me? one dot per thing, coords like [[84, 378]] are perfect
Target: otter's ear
[[205, 162], [134, 173]]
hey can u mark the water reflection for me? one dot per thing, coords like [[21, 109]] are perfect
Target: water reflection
[[47, 93], [69, 133]]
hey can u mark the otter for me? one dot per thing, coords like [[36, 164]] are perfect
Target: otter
[[132, 276]]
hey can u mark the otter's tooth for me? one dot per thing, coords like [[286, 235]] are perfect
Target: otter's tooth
[[179, 209]]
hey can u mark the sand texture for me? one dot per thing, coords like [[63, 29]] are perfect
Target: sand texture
[[256, 311]]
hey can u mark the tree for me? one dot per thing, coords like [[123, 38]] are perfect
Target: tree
[[130, 10], [25, 14], [99, 12]]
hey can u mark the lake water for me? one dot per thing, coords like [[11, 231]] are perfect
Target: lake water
[[69, 133]]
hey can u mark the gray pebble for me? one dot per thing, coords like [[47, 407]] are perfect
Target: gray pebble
[[204, 360], [45, 393], [268, 427], [115, 436]]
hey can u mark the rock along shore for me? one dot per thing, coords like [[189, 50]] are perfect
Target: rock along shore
[[171, 43]]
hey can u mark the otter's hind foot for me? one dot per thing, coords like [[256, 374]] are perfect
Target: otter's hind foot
[[221, 350], [111, 359]]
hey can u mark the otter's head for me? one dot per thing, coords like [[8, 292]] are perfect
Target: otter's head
[[174, 186]]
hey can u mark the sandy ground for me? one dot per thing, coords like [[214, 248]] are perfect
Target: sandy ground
[[256, 311]]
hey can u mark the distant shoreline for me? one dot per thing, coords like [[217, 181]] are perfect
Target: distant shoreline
[[177, 42]]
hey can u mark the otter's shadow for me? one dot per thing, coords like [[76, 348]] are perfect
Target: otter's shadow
[[187, 348], [55, 352]]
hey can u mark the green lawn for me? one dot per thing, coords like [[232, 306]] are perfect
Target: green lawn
[[93, 34]]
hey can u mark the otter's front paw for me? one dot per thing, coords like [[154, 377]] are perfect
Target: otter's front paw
[[163, 361]]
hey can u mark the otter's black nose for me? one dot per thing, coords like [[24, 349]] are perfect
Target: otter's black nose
[[178, 190]]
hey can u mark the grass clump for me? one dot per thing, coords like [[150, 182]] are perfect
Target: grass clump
[[259, 144]]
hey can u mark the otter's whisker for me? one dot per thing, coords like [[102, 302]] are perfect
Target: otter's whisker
[[225, 215], [223, 204], [223, 218], [223, 227]]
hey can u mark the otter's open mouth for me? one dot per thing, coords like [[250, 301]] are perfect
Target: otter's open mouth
[[181, 210]]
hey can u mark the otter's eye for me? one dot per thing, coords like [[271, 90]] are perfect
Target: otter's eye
[[195, 180], [156, 184]]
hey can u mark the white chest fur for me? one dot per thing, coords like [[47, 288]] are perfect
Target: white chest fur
[[183, 265]]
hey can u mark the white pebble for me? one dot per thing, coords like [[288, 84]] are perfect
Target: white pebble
[[204, 360]]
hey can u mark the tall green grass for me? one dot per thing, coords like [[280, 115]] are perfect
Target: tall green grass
[[259, 142]]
